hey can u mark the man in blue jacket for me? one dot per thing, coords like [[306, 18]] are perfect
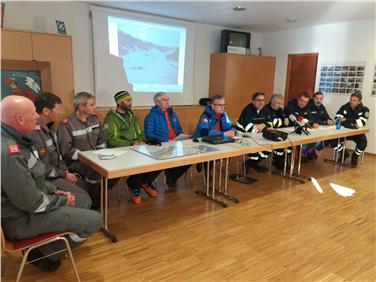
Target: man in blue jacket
[[214, 120], [162, 125]]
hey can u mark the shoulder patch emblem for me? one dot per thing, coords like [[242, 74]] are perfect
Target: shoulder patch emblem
[[204, 120], [66, 121], [37, 127], [366, 114], [13, 149]]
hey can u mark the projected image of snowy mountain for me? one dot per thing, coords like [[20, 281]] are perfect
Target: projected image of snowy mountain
[[153, 54]]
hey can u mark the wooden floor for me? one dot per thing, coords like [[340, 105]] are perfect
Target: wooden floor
[[281, 230]]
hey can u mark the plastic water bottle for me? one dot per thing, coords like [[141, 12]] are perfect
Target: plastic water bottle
[[338, 125]]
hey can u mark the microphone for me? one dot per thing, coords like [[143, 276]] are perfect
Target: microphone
[[304, 122], [299, 127], [204, 132]]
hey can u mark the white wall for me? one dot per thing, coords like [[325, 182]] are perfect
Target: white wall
[[41, 16], [335, 43]]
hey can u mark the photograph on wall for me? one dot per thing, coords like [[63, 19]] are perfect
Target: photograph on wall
[[341, 78]]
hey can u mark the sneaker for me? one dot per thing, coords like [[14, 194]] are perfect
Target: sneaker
[[136, 199], [354, 160], [150, 189], [44, 264]]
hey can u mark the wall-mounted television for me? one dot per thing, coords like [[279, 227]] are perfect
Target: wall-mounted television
[[233, 41]]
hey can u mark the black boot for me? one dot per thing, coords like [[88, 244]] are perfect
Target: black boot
[[354, 160], [44, 264], [340, 155]]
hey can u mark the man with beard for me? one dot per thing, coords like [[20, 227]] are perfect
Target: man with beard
[[82, 131], [124, 129]]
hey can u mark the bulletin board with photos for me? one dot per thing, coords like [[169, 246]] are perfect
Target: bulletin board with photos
[[341, 79], [374, 83]]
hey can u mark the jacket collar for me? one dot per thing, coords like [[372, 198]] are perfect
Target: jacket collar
[[20, 138], [211, 112], [157, 110]]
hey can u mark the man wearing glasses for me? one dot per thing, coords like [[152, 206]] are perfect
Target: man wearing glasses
[[214, 121], [253, 119]]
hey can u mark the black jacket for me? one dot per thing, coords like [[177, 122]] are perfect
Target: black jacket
[[249, 117], [318, 114], [273, 118], [354, 118], [293, 109]]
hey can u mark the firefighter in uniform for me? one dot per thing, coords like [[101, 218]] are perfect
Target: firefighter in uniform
[[252, 119], [318, 116], [275, 118], [82, 131], [353, 115], [31, 206], [49, 107], [124, 129], [299, 108]]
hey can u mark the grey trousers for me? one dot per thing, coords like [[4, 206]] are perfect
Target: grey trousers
[[65, 185], [78, 219]]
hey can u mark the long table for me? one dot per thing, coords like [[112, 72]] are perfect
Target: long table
[[133, 162]]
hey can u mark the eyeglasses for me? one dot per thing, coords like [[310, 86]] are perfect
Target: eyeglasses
[[220, 105], [260, 100]]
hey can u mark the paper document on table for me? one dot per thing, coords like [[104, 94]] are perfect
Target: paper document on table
[[109, 152], [182, 137]]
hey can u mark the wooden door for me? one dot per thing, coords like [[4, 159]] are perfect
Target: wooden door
[[301, 74]]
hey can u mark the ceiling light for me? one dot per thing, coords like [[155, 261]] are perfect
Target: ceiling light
[[239, 8], [291, 20]]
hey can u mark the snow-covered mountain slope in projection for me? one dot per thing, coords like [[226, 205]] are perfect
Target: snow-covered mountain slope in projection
[[146, 62]]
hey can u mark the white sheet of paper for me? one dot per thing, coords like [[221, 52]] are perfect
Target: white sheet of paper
[[316, 185], [109, 152], [342, 190]]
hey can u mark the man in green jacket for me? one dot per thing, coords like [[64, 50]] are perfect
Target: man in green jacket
[[124, 129]]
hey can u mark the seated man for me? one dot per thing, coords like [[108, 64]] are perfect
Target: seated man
[[123, 129], [275, 118], [214, 120], [162, 125], [353, 115], [318, 116], [49, 107], [252, 119], [299, 108], [82, 131], [31, 206]]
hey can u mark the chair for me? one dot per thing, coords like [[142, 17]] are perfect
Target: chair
[[27, 245]]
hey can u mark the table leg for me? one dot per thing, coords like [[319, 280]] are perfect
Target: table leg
[[104, 210]]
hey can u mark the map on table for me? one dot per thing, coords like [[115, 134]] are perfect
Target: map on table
[[174, 150]]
